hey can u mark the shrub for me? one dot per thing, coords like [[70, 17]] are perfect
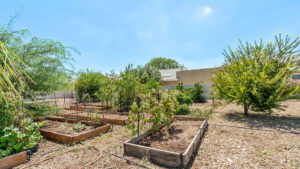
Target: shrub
[[7, 111], [88, 83], [258, 75], [179, 98], [180, 87], [156, 109], [197, 93], [183, 110], [40, 110], [128, 86], [17, 139], [187, 100]]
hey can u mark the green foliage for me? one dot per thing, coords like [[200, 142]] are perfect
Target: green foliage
[[183, 110], [89, 83], [197, 93], [164, 63], [202, 113], [46, 59], [16, 139], [156, 109], [40, 110], [180, 86], [8, 110], [128, 88], [258, 75], [147, 73], [184, 99], [12, 75], [107, 89], [187, 100]]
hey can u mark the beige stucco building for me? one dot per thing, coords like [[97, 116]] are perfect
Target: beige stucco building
[[171, 77]]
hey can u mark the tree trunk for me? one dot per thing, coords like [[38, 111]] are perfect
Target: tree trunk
[[246, 107]]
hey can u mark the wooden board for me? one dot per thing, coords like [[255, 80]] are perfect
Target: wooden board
[[13, 160], [162, 157], [98, 119], [64, 138]]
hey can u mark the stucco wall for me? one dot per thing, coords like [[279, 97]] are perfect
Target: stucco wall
[[197, 75], [174, 83]]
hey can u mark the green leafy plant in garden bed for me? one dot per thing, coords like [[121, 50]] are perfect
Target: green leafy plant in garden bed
[[16, 139], [155, 109]]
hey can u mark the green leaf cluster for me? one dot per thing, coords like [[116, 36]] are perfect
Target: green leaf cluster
[[258, 75], [16, 139], [155, 108], [89, 83], [164, 63]]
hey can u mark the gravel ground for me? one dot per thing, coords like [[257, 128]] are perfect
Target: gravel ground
[[265, 141]]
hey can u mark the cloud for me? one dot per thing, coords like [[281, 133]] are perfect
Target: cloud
[[203, 11]]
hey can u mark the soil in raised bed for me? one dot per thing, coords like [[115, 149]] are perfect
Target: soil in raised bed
[[175, 139], [65, 127]]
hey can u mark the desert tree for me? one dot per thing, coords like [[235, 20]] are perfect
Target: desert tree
[[164, 63], [258, 75]]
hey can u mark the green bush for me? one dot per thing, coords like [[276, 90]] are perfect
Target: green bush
[[197, 93], [179, 98], [16, 139], [88, 83], [183, 110], [187, 100], [184, 99], [40, 110], [152, 110], [7, 109]]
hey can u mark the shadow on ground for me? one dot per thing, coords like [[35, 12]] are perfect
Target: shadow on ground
[[286, 123]]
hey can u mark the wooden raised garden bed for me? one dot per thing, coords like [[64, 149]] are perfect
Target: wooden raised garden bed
[[164, 152], [85, 108], [13, 160], [65, 137], [108, 118]]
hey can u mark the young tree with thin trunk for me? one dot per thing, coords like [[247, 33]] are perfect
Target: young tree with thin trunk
[[258, 76]]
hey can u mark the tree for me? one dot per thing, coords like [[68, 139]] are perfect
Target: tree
[[258, 76], [147, 73], [107, 89], [129, 86], [89, 83], [154, 108], [197, 93], [46, 59], [164, 63]]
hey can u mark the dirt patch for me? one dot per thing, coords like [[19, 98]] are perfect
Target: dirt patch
[[66, 128], [175, 139], [222, 147]]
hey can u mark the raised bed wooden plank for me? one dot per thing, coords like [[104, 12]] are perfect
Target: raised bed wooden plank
[[13, 160], [98, 119], [162, 157], [91, 133], [54, 136], [64, 138], [187, 154]]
